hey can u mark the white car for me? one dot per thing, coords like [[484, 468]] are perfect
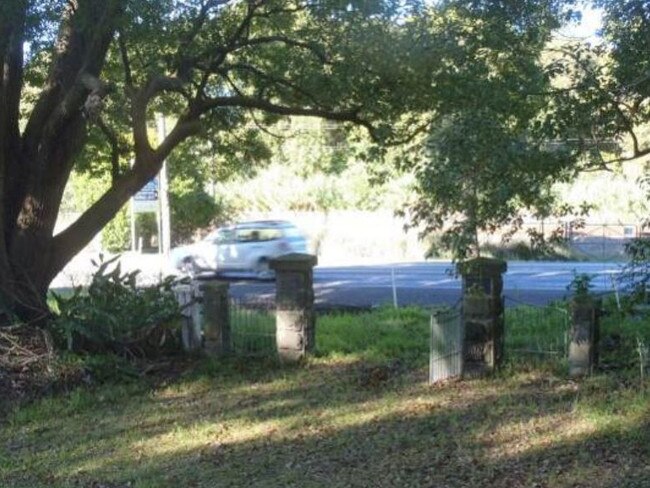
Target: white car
[[246, 246]]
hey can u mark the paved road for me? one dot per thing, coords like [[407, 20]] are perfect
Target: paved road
[[423, 283], [432, 283]]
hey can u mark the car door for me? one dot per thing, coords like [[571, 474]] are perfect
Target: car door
[[249, 247], [225, 244]]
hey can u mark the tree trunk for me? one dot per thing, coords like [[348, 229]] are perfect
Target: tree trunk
[[35, 163], [29, 248]]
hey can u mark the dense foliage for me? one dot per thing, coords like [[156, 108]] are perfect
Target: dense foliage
[[83, 80], [114, 315], [518, 109], [487, 157], [636, 274]]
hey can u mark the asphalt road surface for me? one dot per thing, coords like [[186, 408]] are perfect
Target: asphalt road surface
[[421, 283], [432, 283]]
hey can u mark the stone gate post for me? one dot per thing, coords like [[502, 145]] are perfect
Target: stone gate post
[[295, 319], [482, 314], [216, 317]]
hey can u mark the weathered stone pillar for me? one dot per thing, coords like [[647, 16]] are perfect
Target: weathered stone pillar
[[295, 320], [584, 335], [216, 317], [482, 315]]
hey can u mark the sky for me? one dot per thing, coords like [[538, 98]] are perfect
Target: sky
[[586, 29]]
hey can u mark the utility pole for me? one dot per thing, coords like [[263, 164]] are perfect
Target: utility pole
[[165, 221]]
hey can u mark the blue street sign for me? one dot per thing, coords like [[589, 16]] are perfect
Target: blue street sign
[[148, 193]]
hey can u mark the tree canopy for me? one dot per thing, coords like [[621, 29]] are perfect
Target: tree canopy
[[77, 75], [488, 118], [486, 155], [530, 109]]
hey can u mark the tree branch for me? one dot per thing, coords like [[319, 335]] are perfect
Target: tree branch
[[185, 127], [159, 84], [626, 159], [272, 79], [124, 55], [625, 124], [197, 24], [72, 240], [114, 143], [232, 42], [139, 104], [267, 106], [311, 47]]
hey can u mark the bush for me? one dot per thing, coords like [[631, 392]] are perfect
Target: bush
[[116, 236], [636, 274], [114, 315]]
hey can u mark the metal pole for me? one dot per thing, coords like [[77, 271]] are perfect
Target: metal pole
[[392, 276], [165, 220], [134, 244]]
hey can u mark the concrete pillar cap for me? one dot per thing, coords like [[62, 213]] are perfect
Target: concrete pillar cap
[[213, 285], [482, 265], [294, 261]]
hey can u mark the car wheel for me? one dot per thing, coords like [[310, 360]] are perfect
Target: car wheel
[[263, 270]]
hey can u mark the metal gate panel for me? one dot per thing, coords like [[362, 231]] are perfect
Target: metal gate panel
[[446, 350]]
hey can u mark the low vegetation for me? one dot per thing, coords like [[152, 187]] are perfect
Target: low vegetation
[[115, 315], [358, 414]]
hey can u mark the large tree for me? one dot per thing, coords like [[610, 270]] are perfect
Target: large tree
[[611, 82], [487, 155], [73, 68], [531, 109]]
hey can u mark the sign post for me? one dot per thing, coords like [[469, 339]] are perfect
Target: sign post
[[164, 237], [154, 198]]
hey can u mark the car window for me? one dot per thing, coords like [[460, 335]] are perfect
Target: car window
[[258, 234], [269, 234], [221, 236], [248, 235]]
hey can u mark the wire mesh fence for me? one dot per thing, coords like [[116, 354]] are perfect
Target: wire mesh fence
[[446, 349], [602, 241], [252, 326], [535, 332]]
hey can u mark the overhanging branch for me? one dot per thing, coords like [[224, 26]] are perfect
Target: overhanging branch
[[309, 46], [270, 79], [116, 147], [352, 115]]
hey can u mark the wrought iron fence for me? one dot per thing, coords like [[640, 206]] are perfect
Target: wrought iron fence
[[252, 327]]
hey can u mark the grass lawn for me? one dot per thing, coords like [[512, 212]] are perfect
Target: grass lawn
[[351, 417]]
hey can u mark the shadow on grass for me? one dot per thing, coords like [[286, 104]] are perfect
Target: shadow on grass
[[319, 426]]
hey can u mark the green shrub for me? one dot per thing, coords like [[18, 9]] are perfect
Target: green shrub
[[116, 236], [581, 284], [114, 315], [636, 274]]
